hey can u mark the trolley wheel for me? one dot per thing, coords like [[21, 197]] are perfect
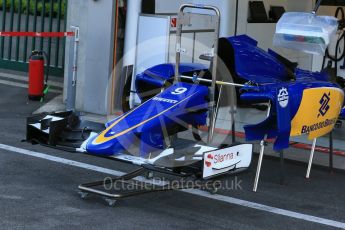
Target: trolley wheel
[[111, 202], [149, 175], [83, 195], [213, 191], [212, 187]]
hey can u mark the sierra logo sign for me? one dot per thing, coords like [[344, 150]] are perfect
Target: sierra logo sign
[[220, 160], [223, 160]]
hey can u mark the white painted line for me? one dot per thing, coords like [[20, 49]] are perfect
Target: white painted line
[[226, 199], [266, 208], [21, 85], [25, 78], [61, 160], [72, 163]]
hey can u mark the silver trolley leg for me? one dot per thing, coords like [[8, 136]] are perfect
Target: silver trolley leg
[[282, 174], [331, 152], [262, 150], [258, 170], [311, 158]]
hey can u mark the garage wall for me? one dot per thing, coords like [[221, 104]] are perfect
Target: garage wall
[[317, 59], [95, 19], [227, 8], [264, 32]]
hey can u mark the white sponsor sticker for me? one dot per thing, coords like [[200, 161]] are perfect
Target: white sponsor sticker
[[160, 99], [283, 97], [223, 160]]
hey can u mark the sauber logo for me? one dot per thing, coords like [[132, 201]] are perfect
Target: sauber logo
[[283, 97], [326, 98]]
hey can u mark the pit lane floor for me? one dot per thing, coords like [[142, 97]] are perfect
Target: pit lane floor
[[37, 193]]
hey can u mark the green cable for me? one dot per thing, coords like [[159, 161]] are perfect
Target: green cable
[[45, 92]]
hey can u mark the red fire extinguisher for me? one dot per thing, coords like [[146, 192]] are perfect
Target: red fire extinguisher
[[37, 82]]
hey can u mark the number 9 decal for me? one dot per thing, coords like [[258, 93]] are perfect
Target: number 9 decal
[[179, 91]]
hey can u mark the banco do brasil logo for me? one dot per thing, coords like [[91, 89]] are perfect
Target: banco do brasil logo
[[324, 102]]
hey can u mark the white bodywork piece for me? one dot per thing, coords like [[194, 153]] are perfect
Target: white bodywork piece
[[215, 161], [223, 160], [39, 125]]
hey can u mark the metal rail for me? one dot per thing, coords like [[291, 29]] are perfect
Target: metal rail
[[111, 191], [37, 16], [221, 83]]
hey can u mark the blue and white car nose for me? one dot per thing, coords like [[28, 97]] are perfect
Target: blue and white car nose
[[149, 121]]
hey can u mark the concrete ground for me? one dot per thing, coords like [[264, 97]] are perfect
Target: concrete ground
[[39, 191]]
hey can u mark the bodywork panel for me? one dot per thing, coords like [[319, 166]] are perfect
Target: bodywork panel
[[152, 121]]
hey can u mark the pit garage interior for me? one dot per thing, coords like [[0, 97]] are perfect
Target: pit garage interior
[[130, 56], [113, 43]]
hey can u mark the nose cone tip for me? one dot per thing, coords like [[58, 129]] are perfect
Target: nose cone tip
[[107, 148], [100, 149]]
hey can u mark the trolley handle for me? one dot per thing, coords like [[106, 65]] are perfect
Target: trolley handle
[[200, 6], [179, 34], [212, 109]]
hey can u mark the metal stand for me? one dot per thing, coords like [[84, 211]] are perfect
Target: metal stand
[[183, 21], [311, 158], [282, 174], [262, 150], [317, 6], [126, 186], [233, 132], [215, 118], [331, 152], [232, 111]]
